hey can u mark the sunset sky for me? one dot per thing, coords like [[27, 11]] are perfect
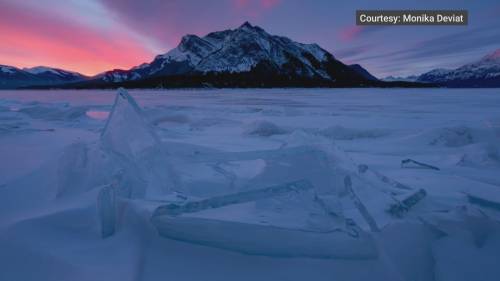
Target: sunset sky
[[91, 36]]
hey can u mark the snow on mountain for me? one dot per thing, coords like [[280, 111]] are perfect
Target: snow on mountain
[[119, 75], [247, 46], [55, 73], [245, 49], [41, 69], [482, 73], [13, 77], [7, 69], [411, 78], [435, 76]]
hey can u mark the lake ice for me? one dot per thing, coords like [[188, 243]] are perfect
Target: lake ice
[[281, 184]]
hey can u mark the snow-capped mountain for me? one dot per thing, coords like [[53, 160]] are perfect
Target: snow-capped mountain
[[247, 52], [411, 78], [482, 73], [118, 75], [55, 74], [13, 77]]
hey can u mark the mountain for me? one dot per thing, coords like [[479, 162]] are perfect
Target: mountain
[[482, 73], [55, 75], [118, 75], [411, 78], [363, 72], [247, 56], [13, 77]]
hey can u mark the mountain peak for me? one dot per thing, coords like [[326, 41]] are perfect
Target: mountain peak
[[40, 69], [191, 41], [189, 37], [246, 24]]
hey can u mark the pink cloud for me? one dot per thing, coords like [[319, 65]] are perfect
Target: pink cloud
[[254, 8], [44, 39], [262, 4], [350, 33], [355, 32], [165, 22]]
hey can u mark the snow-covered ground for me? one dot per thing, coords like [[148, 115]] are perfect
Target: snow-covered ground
[[282, 184]]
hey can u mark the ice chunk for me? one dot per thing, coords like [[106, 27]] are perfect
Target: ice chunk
[[359, 205], [236, 198], [126, 132], [81, 168], [325, 166], [138, 152], [410, 163], [56, 112], [453, 137], [271, 241], [263, 129], [302, 162], [458, 257], [405, 205], [481, 154], [485, 200], [107, 210], [372, 175], [129, 155], [293, 205], [343, 133]]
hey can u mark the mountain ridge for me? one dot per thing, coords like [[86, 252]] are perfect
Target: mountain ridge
[[484, 72], [13, 77], [247, 48], [246, 56]]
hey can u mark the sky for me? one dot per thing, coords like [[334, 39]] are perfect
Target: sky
[[92, 36]]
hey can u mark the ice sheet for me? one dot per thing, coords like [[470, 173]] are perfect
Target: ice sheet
[[191, 145]]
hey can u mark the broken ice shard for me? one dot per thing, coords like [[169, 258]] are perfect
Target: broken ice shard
[[138, 153], [107, 210], [406, 204], [410, 163], [230, 199], [484, 201], [126, 132], [363, 169], [262, 240], [359, 205]]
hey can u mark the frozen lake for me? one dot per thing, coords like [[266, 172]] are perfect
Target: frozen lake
[[373, 123], [229, 141]]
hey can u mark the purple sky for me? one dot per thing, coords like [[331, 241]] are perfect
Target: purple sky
[[91, 36]]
